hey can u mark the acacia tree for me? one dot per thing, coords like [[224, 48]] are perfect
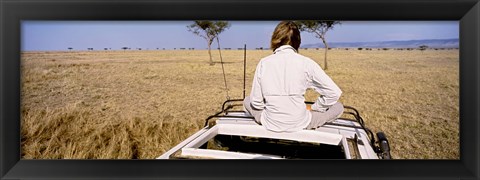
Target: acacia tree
[[320, 29], [209, 30], [423, 47]]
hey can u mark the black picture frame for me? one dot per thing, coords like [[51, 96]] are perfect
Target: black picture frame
[[12, 12]]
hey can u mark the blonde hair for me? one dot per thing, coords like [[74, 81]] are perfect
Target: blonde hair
[[286, 33]]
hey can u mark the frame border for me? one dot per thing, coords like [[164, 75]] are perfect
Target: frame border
[[12, 12]]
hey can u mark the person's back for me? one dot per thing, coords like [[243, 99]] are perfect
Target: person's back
[[281, 79]]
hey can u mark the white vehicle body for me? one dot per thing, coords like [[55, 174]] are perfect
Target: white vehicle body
[[240, 137]]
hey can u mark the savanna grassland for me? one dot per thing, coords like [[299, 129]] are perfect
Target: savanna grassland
[[139, 104]]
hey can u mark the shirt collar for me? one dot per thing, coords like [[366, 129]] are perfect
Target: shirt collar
[[285, 48]]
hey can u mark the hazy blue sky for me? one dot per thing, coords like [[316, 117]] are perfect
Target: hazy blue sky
[[80, 35]]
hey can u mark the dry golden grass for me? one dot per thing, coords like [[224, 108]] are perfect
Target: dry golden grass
[[139, 104]]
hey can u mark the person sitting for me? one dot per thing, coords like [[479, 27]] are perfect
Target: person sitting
[[281, 79]]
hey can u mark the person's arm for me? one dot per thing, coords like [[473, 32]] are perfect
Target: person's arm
[[256, 94], [323, 84]]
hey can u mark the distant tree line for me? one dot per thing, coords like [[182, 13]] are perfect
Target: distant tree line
[[421, 48]]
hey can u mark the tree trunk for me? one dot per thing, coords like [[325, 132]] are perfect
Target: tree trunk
[[325, 59], [210, 53]]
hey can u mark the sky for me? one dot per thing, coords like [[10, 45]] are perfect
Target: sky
[[80, 35]]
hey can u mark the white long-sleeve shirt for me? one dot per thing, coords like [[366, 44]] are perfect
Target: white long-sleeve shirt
[[279, 85]]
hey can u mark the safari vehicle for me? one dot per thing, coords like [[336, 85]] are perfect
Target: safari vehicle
[[235, 135]]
